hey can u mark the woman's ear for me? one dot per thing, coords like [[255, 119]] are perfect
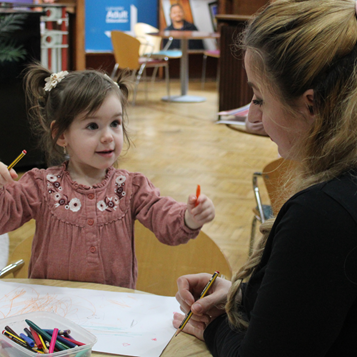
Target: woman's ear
[[61, 141], [308, 98]]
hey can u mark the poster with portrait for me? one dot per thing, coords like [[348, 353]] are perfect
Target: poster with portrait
[[199, 12]]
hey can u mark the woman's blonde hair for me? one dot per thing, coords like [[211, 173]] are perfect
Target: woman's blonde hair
[[300, 45]]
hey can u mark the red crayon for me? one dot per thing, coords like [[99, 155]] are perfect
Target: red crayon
[[36, 338], [74, 341]]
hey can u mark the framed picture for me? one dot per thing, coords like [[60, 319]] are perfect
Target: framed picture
[[213, 10]]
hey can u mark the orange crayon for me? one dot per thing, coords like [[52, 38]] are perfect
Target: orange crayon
[[198, 192]]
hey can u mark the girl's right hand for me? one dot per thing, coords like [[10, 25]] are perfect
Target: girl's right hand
[[204, 310], [6, 176]]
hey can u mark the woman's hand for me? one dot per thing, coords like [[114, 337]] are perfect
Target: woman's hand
[[6, 176], [204, 310], [199, 211]]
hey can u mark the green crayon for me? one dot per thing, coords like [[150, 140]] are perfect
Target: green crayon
[[45, 335]]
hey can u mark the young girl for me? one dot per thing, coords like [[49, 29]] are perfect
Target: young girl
[[85, 209], [300, 292]]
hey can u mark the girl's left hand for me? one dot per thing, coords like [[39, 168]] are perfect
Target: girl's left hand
[[197, 215]]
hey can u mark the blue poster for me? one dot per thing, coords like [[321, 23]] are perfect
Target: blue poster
[[101, 17]]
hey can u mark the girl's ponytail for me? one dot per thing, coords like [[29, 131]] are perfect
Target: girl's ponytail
[[36, 99]]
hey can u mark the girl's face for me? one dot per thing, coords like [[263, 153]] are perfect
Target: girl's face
[[283, 129], [94, 141]]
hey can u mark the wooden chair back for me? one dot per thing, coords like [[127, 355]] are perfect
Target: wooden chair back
[[126, 50], [22, 251], [276, 176], [160, 265], [141, 31]]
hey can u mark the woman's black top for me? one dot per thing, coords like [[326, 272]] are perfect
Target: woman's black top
[[302, 298]]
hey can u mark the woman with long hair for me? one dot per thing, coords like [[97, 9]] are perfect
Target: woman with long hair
[[297, 293]]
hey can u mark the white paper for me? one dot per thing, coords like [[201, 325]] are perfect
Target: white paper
[[124, 323]]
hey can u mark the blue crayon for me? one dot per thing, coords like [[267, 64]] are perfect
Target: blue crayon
[[28, 340]]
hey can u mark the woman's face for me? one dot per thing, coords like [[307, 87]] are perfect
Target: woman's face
[[281, 127]]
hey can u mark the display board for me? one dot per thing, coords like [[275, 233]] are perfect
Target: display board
[[101, 17]]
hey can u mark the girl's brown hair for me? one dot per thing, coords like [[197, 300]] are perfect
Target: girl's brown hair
[[298, 45], [78, 92]]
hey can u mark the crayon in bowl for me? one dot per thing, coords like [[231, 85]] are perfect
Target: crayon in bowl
[[44, 333]]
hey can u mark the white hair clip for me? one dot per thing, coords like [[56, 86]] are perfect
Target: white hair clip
[[106, 76], [54, 79]]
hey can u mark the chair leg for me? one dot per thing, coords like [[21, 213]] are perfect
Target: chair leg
[[115, 69], [146, 86], [154, 73], [137, 80], [138, 77], [167, 79], [204, 64], [252, 235]]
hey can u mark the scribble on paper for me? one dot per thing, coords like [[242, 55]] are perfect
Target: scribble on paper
[[22, 301], [122, 322]]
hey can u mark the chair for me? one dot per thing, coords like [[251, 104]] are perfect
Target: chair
[[127, 56], [148, 42], [19, 260], [275, 177], [160, 265], [4, 249], [209, 53]]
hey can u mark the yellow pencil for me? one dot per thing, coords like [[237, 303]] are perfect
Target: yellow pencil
[[23, 153], [44, 347], [204, 292]]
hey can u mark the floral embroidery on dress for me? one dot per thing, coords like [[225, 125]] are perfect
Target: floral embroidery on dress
[[54, 186], [110, 203], [119, 186]]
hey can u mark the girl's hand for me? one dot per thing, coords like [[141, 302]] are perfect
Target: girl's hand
[[204, 310], [6, 176], [199, 211]]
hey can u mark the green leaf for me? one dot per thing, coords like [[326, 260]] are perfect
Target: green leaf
[[11, 23], [10, 51]]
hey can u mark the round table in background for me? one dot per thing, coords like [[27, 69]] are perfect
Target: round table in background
[[184, 36]]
